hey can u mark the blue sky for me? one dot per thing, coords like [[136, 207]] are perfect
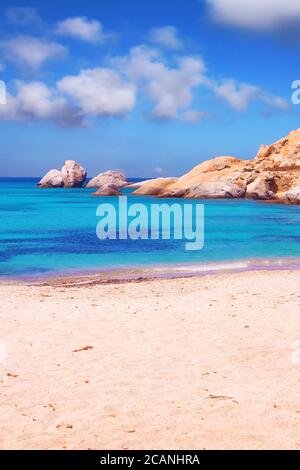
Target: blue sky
[[152, 88]]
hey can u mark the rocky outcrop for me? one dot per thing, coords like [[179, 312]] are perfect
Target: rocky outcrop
[[273, 172], [156, 187], [114, 177], [108, 190], [52, 179], [138, 184], [263, 187], [72, 175], [293, 195], [223, 189], [195, 182], [282, 155]]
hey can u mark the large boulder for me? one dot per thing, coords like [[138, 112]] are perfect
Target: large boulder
[[108, 190], [73, 174], [293, 195], [263, 187], [155, 187], [180, 192], [109, 177], [225, 188], [53, 179]]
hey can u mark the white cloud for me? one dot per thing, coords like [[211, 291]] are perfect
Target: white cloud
[[104, 92], [36, 101], [93, 93], [99, 92], [158, 170], [237, 95], [170, 88], [255, 14], [166, 36], [193, 116], [274, 101], [82, 28], [240, 95], [31, 51], [166, 82]]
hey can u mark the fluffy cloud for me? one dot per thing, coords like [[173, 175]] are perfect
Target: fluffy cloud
[[255, 14], [274, 101], [170, 88], [240, 95], [99, 92], [102, 92], [166, 36], [237, 95], [36, 101], [166, 83], [82, 28], [93, 93], [31, 51]]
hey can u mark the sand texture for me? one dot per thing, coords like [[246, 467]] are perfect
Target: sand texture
[[201, 363]]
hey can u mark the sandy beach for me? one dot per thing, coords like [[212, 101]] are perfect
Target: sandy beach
[[200, 363]]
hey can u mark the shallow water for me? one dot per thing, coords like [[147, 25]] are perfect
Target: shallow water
[[47, 231]]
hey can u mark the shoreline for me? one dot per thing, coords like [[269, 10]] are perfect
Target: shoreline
[[153, 272]]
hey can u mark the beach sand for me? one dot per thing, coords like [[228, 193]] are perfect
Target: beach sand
[[200, 363]]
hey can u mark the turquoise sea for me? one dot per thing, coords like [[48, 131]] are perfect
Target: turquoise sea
[[53, 231]]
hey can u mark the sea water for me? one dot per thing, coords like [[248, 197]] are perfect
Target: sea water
[[53, 231]]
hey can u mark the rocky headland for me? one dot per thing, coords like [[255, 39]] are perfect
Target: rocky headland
[[274, 174]]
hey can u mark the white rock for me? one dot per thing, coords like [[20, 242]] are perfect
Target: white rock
[[53, 179]]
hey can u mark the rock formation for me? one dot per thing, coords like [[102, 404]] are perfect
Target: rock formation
[[108, 190], [109, 177], [225, 188], [155, 187], [262, 187], [293, 195], [72, 175], [274, 174], [52, 179]]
